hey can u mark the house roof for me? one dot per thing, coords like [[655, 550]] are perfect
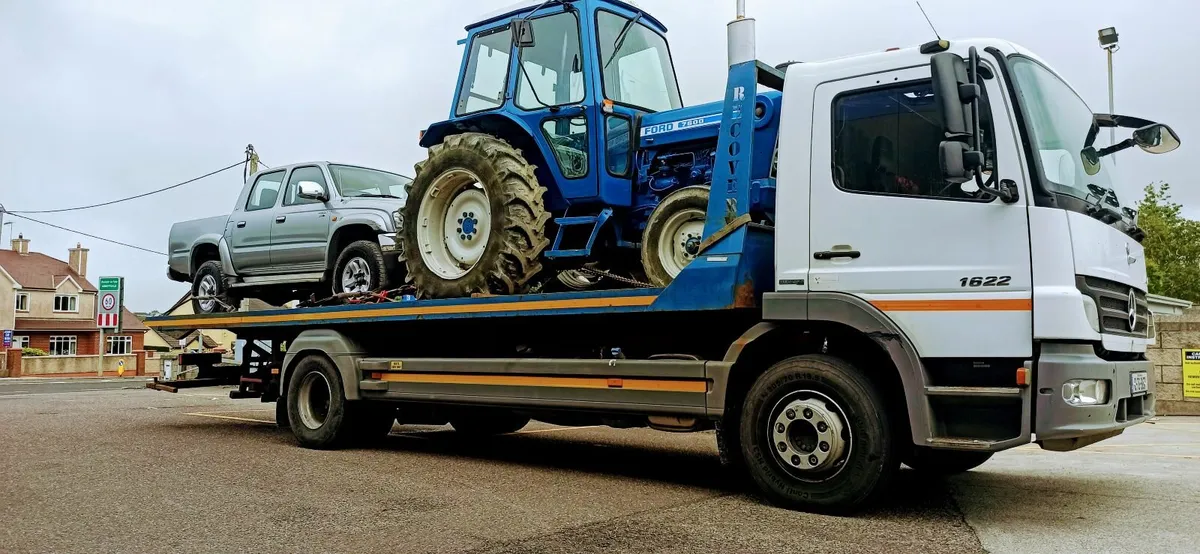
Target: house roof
[[39, 271], [131, 323], [54, 324]]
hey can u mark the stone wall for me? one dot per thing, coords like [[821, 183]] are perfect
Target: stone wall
[[1173, 334], [32, 366]]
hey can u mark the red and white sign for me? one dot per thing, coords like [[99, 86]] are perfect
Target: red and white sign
[[108, 321], [109, 301]]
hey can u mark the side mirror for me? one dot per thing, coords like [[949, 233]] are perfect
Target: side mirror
[[1156, 138], [312, 191], [949, 73], [522, 33]]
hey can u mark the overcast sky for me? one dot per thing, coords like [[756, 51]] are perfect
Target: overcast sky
[[107, 98]]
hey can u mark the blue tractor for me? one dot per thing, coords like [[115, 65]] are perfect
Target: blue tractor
[[569, 158]]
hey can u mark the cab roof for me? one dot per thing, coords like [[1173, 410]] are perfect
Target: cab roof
[[526, 5]]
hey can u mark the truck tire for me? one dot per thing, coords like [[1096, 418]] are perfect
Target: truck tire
[[360, 268], [321, 417], [475, 220], [673, 233], [816, 435], [487, 422], [209, 281], [940, 463]]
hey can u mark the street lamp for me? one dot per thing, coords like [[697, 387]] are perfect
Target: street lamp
[[1108, 41]]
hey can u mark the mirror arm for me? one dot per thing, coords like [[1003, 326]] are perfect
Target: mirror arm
[[1005, 192], [1108, 150]]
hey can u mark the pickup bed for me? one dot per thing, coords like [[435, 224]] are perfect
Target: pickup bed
[[307, 228]]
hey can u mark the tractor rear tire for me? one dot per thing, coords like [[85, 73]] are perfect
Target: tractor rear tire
[[673, 232], [475, 221]]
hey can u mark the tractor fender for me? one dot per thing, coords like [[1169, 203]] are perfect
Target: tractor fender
[[499, 125], [338, 348]]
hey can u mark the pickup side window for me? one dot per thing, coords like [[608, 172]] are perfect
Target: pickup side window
[[265, 191], [311, 173], [885, 141]]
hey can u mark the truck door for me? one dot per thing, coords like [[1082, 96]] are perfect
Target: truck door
[[249, 228], [300, 233], [949, 264]]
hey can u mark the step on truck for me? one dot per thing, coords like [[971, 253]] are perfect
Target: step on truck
[[914, 256]]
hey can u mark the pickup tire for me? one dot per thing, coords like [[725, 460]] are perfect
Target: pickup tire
[[360, 267], [475, 221], [209, 281], [319, 414], [816, 435], [940, 463]]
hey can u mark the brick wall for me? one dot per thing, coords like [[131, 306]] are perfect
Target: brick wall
[[1174, 333], [86, 344]]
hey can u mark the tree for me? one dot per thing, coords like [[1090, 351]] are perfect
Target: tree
[[1172, 245]]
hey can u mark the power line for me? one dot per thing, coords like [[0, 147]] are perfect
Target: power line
[[110, 202], [16, 214]]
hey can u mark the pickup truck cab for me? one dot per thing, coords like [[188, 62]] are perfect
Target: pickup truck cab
[[307, 228]]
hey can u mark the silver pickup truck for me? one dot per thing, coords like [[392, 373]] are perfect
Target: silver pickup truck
[[308, 228]]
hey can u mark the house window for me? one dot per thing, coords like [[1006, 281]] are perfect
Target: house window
[[63, 345], [20, 341], [66, 303], [119, 345], [22, 302]]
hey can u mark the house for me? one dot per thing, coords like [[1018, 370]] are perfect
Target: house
[[208, 340], [50, 305]]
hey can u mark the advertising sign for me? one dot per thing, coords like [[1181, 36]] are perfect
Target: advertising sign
[[1191, 373]]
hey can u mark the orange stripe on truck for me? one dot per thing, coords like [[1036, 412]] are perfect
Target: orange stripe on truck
[[980, 305], [623, 383]]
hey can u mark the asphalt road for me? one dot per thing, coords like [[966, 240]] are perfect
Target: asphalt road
[[144, 471]]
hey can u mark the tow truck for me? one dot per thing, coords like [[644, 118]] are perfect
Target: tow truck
[[944, 272]]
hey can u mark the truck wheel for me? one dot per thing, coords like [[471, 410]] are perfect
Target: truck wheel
[[936, 462], [475, 221], [210, 282], [319, 414], [673, 233], [487, 422], [816, 436], [360, 268]]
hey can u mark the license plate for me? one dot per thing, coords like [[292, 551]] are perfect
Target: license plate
[[1139, 382]]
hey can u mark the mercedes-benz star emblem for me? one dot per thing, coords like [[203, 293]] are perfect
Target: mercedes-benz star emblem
[[1132, 309]]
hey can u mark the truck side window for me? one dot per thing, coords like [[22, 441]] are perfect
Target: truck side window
[[553, 66], [486, 77], [265, 191], [291, 195], [885, 141]]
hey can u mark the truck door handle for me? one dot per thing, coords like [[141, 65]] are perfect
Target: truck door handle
[[281, 219], [831, 254], [241, 224]]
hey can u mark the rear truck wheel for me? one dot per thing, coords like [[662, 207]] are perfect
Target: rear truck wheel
[[815, 435], [479, 422], [475, 220], [209, 292], [673, 233], [322, 418], [938, 463], [360, 267]]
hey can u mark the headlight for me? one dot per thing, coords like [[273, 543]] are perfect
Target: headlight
[[1092, 313], [1085, 392]]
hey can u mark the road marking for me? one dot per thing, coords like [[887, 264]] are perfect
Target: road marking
[[201, 414]]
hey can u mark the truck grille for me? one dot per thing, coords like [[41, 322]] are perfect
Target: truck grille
[[1112, 301]]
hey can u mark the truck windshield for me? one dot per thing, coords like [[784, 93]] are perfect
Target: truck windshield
[[637, 70], [1059, 121], [354, 182]]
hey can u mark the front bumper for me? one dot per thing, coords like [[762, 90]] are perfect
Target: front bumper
[[1061, 426]]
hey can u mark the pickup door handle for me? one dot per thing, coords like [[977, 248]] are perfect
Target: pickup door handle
[[241, 224], [831, 254], [281, 219]]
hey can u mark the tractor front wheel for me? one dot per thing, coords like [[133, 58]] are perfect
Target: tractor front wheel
[[673, 232], [475, 220]]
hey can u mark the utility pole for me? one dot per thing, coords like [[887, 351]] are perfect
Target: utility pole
[[1108, 41]]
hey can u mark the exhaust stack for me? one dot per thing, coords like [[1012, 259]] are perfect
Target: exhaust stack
[[741, 37]]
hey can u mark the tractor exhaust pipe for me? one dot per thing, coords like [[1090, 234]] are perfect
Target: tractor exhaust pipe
[[741, 37]]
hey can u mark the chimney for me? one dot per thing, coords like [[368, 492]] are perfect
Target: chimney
[[20, 245], [77, 259]]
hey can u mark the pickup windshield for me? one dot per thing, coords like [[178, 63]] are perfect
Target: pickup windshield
[[354, 182], [1059, 122]]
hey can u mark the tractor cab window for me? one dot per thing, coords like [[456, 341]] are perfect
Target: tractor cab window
[[486, 75], [551, 71], [636, 64]]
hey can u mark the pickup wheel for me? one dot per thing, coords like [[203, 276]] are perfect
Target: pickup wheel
[[209, 295], [475, 220], [360, 268], [673, 232], [816, 436], [939, 463]]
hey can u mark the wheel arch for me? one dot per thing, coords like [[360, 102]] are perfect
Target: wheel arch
[[353, 228], [202, 251], [338, 349], [840, 325], [507, 128]]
